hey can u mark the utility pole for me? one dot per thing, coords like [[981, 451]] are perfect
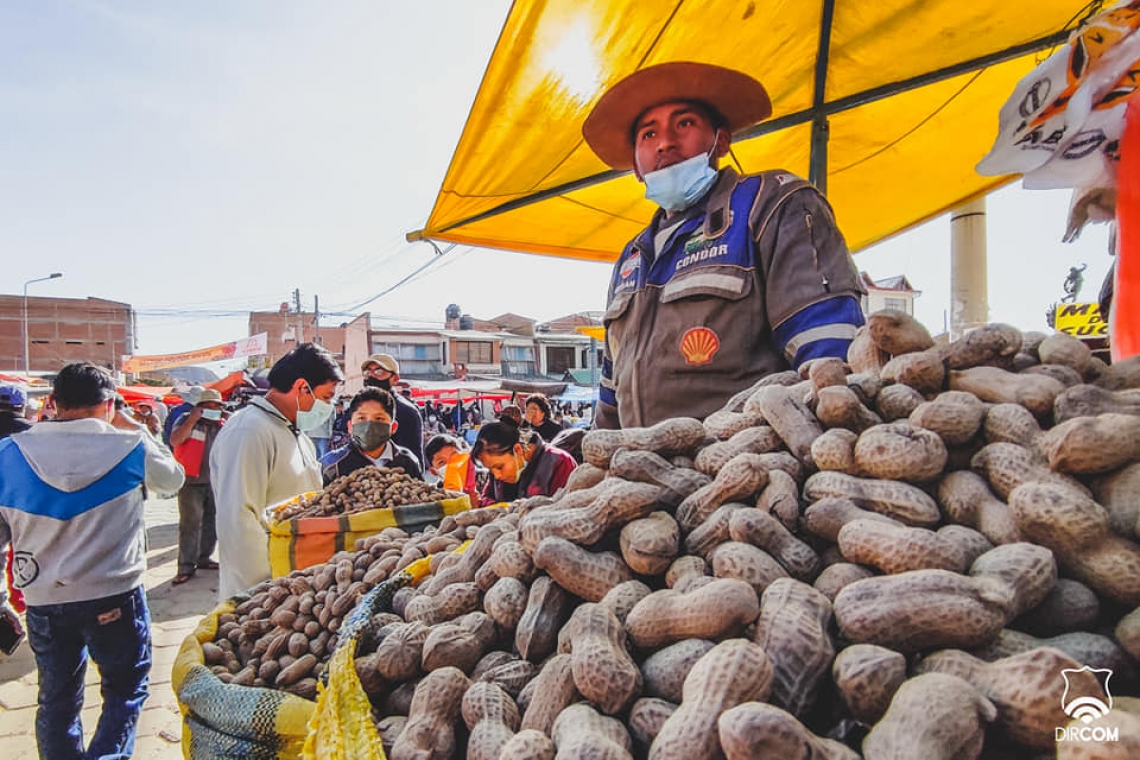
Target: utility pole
[[317, 318], [300, 317]]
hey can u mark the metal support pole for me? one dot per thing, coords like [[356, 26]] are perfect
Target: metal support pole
[[969, 296], [300, 318], [820, 129], [817, 169], [317, 319], [27, 334]]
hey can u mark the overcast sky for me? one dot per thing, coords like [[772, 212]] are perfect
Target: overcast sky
[[199, 160]]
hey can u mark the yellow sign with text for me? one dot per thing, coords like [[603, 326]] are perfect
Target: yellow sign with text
[[1081, 320]]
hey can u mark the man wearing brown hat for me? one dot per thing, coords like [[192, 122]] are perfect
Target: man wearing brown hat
[[383, 371], [736, 277]]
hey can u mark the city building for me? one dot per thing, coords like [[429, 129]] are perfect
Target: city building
[[890, 293], [505, 347], [64, 330], [287, 328]]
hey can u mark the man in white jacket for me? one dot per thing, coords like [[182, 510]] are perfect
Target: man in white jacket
[[71, 505], [261, 457]]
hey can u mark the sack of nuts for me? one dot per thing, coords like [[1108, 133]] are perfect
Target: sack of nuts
[[308, 529]]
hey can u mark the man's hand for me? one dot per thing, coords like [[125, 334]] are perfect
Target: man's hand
[[184, 425], [10, 618], [125, 421]]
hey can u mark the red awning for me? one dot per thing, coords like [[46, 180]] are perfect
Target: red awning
[[132, 394], [420, 395], [231, 382]]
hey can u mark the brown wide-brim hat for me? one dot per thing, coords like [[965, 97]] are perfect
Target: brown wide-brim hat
[[739, 98]]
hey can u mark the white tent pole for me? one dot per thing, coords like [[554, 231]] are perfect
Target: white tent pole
[[969, 299]]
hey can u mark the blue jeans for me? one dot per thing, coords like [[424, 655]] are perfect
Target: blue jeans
[[116, 632]]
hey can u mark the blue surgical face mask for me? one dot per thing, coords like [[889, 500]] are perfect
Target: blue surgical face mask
[[212, 414], [679, 186], [315, 416]]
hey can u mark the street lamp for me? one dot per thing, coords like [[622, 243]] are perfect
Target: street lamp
[[27, 337]]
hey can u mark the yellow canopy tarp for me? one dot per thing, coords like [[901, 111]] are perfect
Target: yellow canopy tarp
[[910, 90]]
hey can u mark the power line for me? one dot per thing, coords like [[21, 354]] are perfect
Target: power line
[[439, 255]]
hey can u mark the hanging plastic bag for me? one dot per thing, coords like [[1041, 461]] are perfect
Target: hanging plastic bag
[[341, 727]]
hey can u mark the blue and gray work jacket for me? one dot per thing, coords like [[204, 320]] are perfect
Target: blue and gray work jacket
[[754, 279]]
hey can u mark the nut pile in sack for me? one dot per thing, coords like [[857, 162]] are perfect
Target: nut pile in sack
[[360, 490], [928, 552]]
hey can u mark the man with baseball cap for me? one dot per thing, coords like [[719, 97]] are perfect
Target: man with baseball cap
[[12, 401], [383, 371], [736, 277]]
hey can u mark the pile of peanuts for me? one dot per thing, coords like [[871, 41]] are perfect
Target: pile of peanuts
[[890, 557], [361, 490]]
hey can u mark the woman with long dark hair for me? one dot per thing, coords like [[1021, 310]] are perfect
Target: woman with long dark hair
[[520, 462]]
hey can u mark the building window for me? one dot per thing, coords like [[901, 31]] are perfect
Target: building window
[[518, 354], [585, 358], [559, 359], [471, 352], [898, 304]]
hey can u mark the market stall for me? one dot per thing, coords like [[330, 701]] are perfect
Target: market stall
[[840, 564]]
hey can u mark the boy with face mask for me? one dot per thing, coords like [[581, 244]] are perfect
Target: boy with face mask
[[372, 424]]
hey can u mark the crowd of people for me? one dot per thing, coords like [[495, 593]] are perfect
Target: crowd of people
[[76, 478], [303, 433]]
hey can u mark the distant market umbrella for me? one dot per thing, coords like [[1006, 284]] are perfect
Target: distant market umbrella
[[886, 105]]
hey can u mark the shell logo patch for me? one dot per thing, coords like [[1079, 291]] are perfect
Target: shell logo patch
[[630, 265], [698, 345]]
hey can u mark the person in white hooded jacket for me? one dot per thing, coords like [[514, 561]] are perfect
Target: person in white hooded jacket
[[262, 456], [71, 505]]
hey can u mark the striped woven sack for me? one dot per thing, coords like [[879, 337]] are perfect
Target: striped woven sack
[[227, 722], [301, 542]]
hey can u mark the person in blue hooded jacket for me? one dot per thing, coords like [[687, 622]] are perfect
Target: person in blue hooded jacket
[[71, 505]]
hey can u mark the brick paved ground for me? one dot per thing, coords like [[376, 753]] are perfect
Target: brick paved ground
[[175, 611]]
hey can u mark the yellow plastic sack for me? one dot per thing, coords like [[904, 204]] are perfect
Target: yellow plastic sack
[[341, 727], [305, 541], [225, 722]]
